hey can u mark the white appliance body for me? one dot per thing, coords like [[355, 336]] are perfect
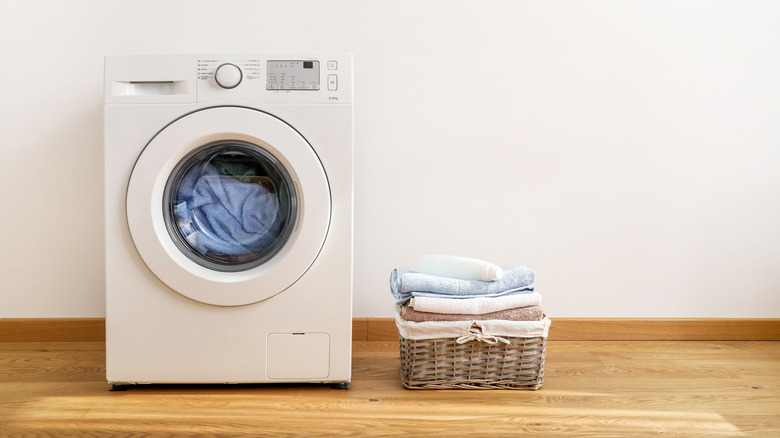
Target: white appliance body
[[229, 206]]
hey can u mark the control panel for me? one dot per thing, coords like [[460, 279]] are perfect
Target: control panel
[[221, 70], [292, 75], [324, 78]]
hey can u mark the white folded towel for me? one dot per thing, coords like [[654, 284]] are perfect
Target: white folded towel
[[474, 306]]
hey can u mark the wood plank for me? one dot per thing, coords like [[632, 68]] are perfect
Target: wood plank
[[591, 389], [383, 329]]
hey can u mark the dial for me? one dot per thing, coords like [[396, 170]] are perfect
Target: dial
[[228, 75]]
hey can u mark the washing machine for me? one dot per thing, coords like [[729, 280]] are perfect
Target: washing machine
[[228, 218]]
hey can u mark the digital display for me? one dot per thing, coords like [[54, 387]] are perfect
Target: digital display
[[292, 75]]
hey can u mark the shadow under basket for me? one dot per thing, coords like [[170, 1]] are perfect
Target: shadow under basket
[[450, 363]]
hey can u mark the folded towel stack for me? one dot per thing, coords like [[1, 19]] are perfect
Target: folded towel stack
[[422, 297]]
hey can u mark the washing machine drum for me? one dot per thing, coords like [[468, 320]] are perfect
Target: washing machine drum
[[228, 206]]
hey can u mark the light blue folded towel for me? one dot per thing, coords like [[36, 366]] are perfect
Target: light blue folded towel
[[405, 283], [222, 216]]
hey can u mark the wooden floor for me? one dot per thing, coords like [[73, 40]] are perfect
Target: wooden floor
[[591, 388]]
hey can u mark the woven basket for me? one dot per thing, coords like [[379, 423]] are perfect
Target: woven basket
[[450, 363]]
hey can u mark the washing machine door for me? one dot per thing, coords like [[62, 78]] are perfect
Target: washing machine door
[[228, 206]]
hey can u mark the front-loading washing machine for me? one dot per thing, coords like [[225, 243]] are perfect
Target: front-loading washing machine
[[228, 208]]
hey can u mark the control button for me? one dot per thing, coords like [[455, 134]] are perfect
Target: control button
[[333, 82], [333, 65], [228, 75]]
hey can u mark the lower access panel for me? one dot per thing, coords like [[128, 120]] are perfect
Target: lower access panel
[[302, 356]]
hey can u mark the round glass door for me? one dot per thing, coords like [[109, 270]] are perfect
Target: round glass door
[[230, 205]]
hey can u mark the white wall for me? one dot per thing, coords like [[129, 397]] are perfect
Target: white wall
[[629, 152]]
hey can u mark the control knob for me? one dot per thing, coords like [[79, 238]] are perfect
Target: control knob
[[228, 75]]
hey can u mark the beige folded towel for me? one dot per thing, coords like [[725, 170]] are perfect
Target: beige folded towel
[[529, 313]]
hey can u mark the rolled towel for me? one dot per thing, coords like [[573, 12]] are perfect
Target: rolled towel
[[403, 282], [474, 306], [530, 313]]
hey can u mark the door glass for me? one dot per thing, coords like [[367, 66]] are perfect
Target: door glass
[[230, 205]]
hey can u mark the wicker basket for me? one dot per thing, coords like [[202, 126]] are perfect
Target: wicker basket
[[474, 363]]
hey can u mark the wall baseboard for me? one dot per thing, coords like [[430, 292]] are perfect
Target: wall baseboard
[[383, 329], [665, 329], [621, 329], [52, 329]]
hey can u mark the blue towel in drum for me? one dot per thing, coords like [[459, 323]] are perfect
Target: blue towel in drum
[[219, 214], [405, 283]]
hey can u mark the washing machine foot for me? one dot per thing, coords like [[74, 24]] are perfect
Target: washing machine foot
[[342, 385], [118, 387]]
